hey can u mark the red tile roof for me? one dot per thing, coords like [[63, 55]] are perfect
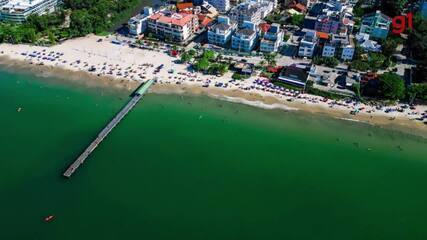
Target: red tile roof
[[322, 35], [264, 27], [206, 22], [299, 7], [182, 6], [180, 19]]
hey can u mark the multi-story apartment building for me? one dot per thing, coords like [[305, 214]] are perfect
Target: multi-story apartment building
[[18, 10], [177, 27], [247, 11], [272, 39], [220, 34], [376, 24], [327, 24], [308, 44], [221, 5], [245, 38], [339, 45], [329, 50], [138, 24]]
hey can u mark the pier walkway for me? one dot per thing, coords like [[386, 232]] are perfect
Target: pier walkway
[[107, 129]]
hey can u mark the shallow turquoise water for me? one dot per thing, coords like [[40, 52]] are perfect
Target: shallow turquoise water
[[181, 167]]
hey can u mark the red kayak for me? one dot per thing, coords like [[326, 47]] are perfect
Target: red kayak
[[49, 218]]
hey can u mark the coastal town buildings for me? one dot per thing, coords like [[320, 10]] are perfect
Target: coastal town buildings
[[327, 24], [220, 34], [247, 11], [308, 44], [17, 11], [221, 5], [251, 11], [245, 38], [376, 24], [272, 39], [339, 45], [138, 24], [178, 27]]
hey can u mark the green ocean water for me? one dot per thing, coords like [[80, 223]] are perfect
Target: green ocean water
[[182, 167]]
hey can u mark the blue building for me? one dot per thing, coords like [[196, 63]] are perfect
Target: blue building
[[376, 24], [245, 38], [272, 39], [220, 34]]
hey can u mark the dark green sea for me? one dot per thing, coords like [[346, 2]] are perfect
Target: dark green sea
[[187, 167]]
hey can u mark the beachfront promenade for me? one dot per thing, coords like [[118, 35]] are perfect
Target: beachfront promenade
[[107, 129]]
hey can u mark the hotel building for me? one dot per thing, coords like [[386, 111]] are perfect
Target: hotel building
[[220, 34], [18, 10], [221, 5], [177, 27], [272, 39], [245, 39]]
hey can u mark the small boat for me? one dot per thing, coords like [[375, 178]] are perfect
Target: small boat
[[19, 109], [49, 218]]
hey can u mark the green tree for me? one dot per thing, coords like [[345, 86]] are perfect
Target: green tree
[[270, 58], [297, 20], [393, 7], [377, 61], [331, 61], [417, 91], [202, 64], [417, 46], [192, 52], [391, 86], [209, 54], [81, 23], [389, 47], [356, 89], [185, 57]]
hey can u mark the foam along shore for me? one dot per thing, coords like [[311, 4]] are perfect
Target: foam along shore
[[130, 66]]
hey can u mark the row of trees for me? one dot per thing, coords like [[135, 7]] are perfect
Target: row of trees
[[390, 86], [389, 7], [77, 18], [328, 61], [207, 62]]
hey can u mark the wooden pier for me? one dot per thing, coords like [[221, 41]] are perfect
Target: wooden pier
[[107, 129]]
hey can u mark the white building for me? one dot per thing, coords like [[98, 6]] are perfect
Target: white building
[[221, 5], [340, 45], [138, 24], [220, 34], [18, 10], [308, 44], [251, 11], [245, 38], [247, 11], [178, 27], [366, 44], [272, 39]]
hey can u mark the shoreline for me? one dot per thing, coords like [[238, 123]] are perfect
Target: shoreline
[[260, 99]]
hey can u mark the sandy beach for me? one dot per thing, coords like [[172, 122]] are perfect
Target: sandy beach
[[95, 62]]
